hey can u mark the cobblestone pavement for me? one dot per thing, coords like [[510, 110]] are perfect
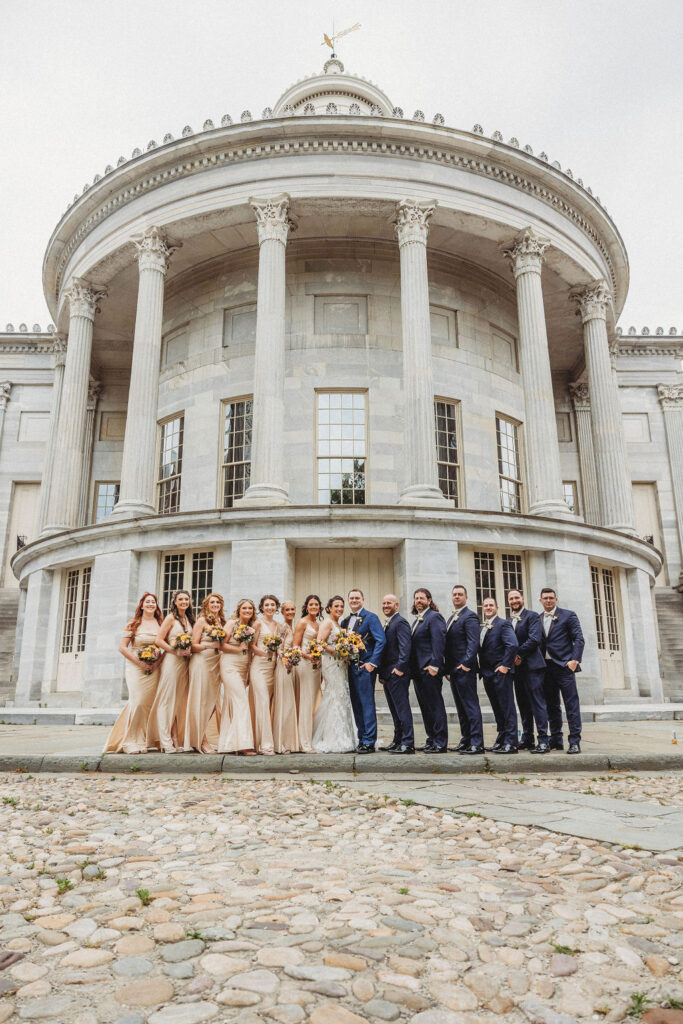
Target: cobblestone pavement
[[177, 901], [665, 788]]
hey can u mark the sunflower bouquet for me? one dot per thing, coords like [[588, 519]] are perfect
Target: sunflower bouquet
[[215, 634], [182, 642], [243, 635], [272, 643], [348, 646], [315, 651], [291, 656], [149, 655]]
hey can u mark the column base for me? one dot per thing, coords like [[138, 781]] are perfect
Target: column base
[[425, 496], [132, 510], [553, 508], [50, 529], [626, 528], [260, 495]]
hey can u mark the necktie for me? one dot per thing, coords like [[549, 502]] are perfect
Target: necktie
[[515, 620], [415, 625]]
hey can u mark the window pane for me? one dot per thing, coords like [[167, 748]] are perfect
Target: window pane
[[106, 496], [236, 450], [512, 575], [83, 615], [484, 577], [170, 464], [569, 491], [610, 609], [202, 576], [70, 599], [447, 448]]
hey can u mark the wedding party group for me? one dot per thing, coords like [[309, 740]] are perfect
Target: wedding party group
[[256, 684]]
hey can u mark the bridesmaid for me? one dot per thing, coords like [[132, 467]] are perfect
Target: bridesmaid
[[167, 717], [309, 674], [262, 675], [129, 732], [237, 734], [205, 679], [285, 725]]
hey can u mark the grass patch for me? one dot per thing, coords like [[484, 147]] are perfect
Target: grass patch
[[143, 896], [64, 884], [567, 950], [639, 1003], [403, 890]]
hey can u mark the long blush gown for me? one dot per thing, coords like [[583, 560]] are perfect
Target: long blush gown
[[309, 692], [171, 696], [129, 732], [236, 728], [285, 725], [261, 686], [203, 694]]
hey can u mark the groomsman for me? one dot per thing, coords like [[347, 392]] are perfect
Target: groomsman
[[428, 634], [460, 662], [562, 646], [529, 674], [497, 650], [362, 675], [394, 675]]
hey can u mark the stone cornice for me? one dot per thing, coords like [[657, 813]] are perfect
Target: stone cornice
[[31, 343], [649, 349]]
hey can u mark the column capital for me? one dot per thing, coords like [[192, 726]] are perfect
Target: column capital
[[83, 298], [153, 250], [580, 395], [527, 252], [58, 347], [670, 396], [272, 218], [593, 301], [613, 343], [412, 220], [94, 391], [5, 392]]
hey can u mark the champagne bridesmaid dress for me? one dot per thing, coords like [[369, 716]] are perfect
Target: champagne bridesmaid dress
[[171, 697], [285, 725], [309, 692], [261, 686], [236, 728], [203, 694], [129, 732]]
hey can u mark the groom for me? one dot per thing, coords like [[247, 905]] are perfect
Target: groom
[[362, 674]]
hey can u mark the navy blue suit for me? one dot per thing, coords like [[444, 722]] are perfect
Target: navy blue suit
[[564, 642], [499, 647], [529, 677], [462, 645], [362, 682], [396, 655], [429, 642]]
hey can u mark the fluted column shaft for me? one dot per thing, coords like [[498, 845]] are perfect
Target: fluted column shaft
[[616, 499], [544, 477], [421, 476], [671, 398], [138, 472], [68, 456], [5, 392], [584, 437], [57, 384], [88, 438], [267, 484]]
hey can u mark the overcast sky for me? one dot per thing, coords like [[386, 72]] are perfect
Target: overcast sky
[[597, 85]]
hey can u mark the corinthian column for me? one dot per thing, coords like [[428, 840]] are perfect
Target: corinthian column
[[138, 470], [544, 477], [267, 485], [68, 456], [616, 499], [421, 477], [671, 399], [584, 436], [59, 349], [94, 389]]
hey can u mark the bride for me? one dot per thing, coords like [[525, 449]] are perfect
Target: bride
[[334, 728]]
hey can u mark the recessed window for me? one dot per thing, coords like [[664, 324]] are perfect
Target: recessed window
[[175, 348], [239, 325], [509, 469], [605, 605], [236, 449], [443, 325], [106, 496], [496, 573], [76, 602], [448, 448], [170, 464], [341, 314], [342, 445], [571, 495], [186, 570]]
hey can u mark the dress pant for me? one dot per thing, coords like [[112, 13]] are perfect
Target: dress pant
[[561, 681], [396, 689], [430, 699], [530, 698], [464, 689], [362, 691], [499, 689]]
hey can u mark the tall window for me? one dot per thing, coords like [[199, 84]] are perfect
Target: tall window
[[509, 471], [496, 572], [186, 570], [106, 496], [170, 464], [342, 441], [484, 576], [604, 601], [448, 449], [571, 496], [236, 450], [76, 601]]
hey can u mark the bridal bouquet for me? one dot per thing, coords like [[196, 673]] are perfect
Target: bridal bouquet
[[148, 655], [182, 642], [215, 634], [316, 652], [291, 656], [272, 642], [348, 645], [243, 635]]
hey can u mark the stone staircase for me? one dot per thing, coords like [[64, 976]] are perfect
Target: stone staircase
[[669, 604], [9, 606]]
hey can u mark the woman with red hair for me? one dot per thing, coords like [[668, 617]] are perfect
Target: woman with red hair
[[143, 660]]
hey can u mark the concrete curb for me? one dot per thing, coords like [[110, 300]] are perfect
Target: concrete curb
[[334, 764]]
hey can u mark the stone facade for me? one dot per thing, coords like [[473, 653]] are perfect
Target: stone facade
[[288, 307]]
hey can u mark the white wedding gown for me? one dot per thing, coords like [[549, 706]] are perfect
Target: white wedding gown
[[334, 728]]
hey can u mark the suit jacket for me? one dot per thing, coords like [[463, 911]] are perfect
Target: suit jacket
[[396, 653], [370, 628], [499, 648], [462, 641], [429, 642], [529, 634], [564, 641]]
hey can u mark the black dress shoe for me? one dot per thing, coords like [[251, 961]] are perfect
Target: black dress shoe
[[506, 748], [365, 748], [436, 750], [542, 748], [574, 748], [462, 745], [391, 746], [554, 745], [473, 750], [526, 745], [495, 748], [403, 748], [428, 747]]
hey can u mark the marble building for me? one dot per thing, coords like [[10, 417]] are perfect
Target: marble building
[[335, 345]]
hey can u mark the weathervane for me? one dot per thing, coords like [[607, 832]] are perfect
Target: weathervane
[[331, 40]]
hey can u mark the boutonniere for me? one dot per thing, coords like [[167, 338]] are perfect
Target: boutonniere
[[555, 618], [359, 620], [420, 617]]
